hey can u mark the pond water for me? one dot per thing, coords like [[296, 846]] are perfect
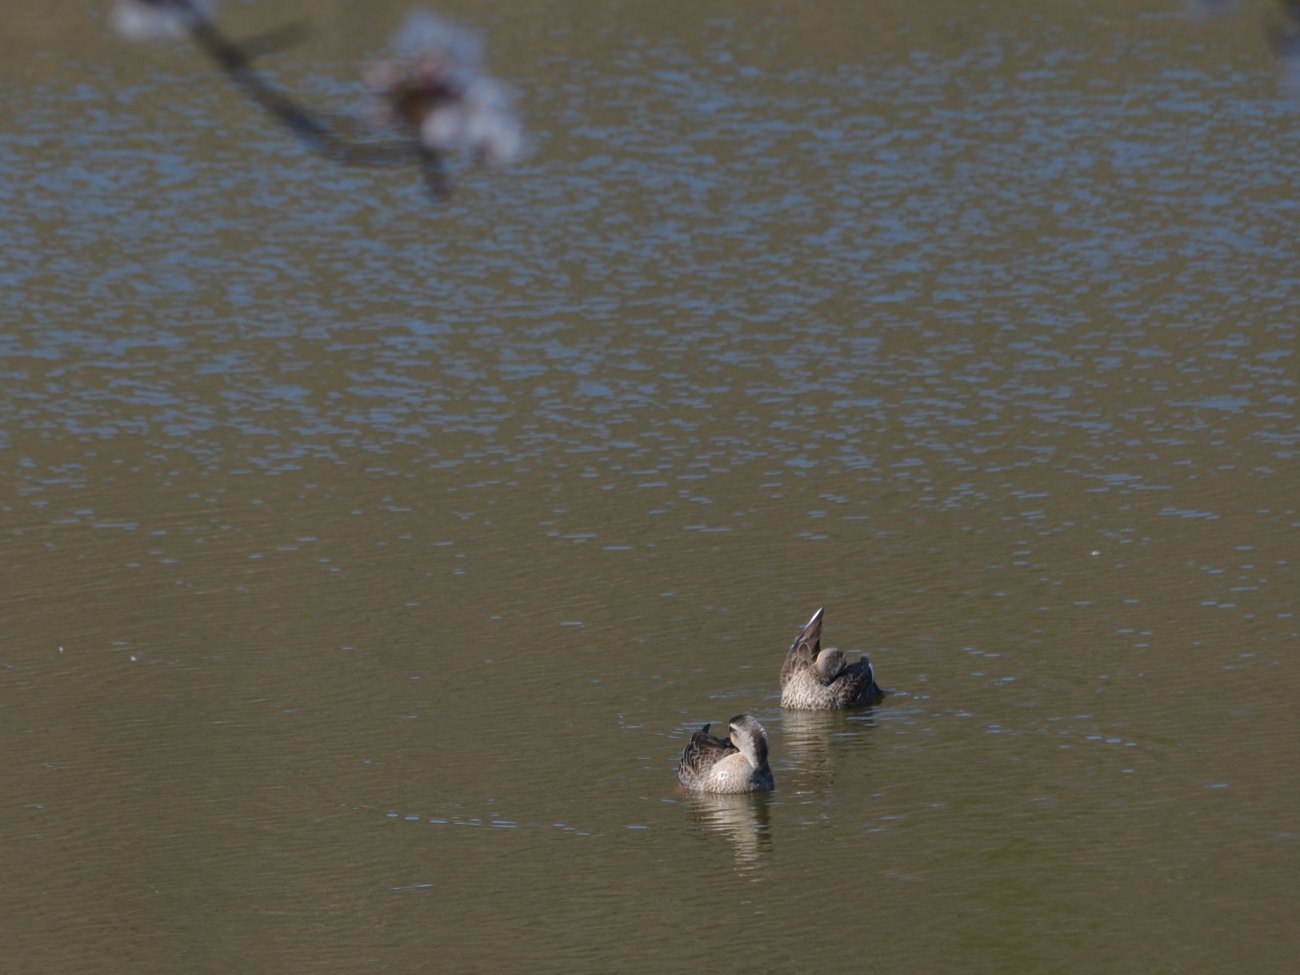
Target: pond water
[[368, 561]]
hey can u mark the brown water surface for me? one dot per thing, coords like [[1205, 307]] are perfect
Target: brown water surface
[[366, 564]]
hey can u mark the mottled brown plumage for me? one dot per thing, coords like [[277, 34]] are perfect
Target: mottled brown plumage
[[813, 679], [740, 764]]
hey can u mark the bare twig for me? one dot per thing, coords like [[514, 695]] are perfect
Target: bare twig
[[434, 90]]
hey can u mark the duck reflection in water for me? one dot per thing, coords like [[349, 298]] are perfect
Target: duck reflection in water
[[814, 739], [744, 818], [813, 679], [806, 737], [737, 764]]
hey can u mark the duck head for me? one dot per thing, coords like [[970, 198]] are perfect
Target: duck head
[[750, 739], [828, 665]]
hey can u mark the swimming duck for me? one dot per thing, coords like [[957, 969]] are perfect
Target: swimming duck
[[813, 679], [712, 764]]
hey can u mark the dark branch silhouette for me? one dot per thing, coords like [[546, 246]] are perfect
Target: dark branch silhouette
[[434, 92]]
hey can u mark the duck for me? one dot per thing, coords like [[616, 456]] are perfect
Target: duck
[[813, 679], [735, 764]]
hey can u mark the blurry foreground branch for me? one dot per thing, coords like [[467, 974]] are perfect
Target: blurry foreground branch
[[432, 90]]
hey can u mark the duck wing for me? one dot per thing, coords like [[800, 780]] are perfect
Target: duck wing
[[856, 685], [702, 752]]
